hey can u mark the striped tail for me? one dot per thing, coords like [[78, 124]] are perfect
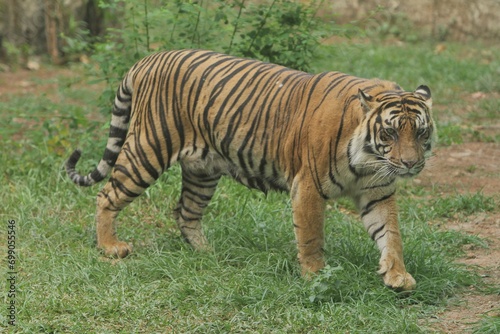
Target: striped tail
[[117, 132]]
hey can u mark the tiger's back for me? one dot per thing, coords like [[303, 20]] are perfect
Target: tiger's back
[[240, 116], [269, 127], [222, 114]]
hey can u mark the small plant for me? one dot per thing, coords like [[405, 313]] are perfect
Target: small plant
[[471, 169], [285, 32], [326, 285]]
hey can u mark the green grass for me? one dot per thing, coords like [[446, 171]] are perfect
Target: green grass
[[251, 282], [489, 325]]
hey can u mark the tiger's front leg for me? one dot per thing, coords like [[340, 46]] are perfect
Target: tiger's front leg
[[381, 221], [308, 216]]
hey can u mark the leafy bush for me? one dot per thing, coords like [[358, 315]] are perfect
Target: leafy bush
[[284, 32], [279, 31]]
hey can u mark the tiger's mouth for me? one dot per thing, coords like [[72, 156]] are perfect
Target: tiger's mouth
[[405, 172]]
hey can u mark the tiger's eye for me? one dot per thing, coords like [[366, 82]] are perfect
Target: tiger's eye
[[391, 132], [388, 134], [423, 133]]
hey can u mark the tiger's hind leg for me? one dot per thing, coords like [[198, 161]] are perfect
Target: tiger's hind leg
[[197, 191], [132, 174]]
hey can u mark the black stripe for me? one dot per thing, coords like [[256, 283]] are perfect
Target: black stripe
[[117, 132], [352, 82], [186, 219], [377, 231], [206, 198], [96, 175], [188, 209], [138, 182], [368, 207], [199, 185], [120, 186], [339, 132], [315, 174], [380, 185], [195, 200]]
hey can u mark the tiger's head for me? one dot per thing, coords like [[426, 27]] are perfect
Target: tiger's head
[[396, 135]]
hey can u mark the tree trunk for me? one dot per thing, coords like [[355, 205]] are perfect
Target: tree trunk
[[35, 26], [52, 28]]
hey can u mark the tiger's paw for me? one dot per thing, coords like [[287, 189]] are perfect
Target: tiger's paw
[[198, 242], [399, 281], [394, 273], [311, 266], [117, 249]]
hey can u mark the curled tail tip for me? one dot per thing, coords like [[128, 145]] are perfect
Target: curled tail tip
[[73, 159], [73, 174]]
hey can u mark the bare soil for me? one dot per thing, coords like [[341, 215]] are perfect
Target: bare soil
[[469, 168], [463, 168]]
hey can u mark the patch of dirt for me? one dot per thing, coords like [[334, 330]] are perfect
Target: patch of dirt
[[469, 168], [464, 168], [24, 82], [462, 315]]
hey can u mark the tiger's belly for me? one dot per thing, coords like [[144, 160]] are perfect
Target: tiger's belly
[[261, 176]]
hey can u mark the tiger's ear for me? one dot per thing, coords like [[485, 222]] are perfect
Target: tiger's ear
[[366, 100], [424, 92]]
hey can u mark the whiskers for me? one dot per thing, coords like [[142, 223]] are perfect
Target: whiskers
[[419, 167], [380, 168], [386, 171], [430, 161]]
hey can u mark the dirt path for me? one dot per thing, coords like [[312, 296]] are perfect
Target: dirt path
[[469, 168]]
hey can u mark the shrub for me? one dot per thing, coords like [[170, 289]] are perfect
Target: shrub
[[278, 31]]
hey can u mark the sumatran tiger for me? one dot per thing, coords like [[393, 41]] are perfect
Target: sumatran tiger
[[271, 128]]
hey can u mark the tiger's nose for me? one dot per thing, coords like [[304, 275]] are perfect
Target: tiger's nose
[[409, 163]]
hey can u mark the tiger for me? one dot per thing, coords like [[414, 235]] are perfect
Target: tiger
[[315, 136]]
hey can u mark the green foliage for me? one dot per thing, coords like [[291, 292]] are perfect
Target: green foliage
[[16, 55], [281, 31], [285, 32], [77, 39]]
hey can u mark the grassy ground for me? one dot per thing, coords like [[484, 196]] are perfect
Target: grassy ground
[[251, 282]]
